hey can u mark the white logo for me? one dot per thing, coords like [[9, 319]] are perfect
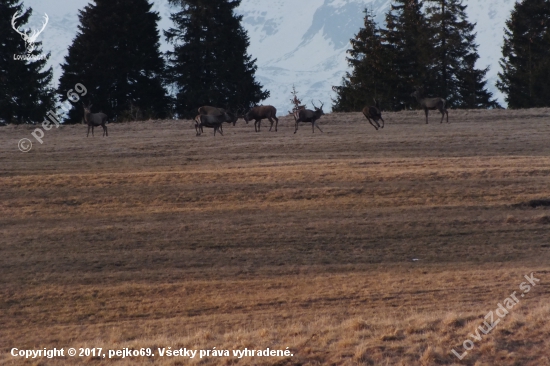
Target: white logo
[[30, 36]]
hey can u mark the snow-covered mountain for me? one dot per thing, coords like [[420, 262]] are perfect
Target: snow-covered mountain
[[295, 42]]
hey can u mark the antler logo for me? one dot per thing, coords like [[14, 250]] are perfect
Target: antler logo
[[30, 36]]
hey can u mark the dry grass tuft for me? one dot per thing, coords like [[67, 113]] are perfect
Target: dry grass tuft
[[395, 335], [433, 356], [542, 219]]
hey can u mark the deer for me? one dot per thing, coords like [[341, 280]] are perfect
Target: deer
[[374, 113], [31, 37], [211, 111], [262, 112], [215, 122], [228, 117], [307, 115], [296, 109], [431, 104], [94, 120], [215, 111]]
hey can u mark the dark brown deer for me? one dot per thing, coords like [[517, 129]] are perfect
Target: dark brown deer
[[211, 111], [296, 109], [215, 111], [431, 104], [307, 115], [262, 112], [94, 120], [374, 113], [215, 122]]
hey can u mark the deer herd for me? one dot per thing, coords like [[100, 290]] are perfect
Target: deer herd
[[213, 117]]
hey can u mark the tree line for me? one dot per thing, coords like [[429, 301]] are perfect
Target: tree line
[[116, 55], [431, 44]]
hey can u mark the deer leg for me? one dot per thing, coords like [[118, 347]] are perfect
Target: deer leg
[[426, 111], [276, 123], [295, 126], [318, 126], [383, 123], [92, 130], [88, 131], [372, 123], [447, 112], [270, 120]]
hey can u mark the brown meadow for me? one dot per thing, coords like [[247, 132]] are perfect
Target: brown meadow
[[349, 247]]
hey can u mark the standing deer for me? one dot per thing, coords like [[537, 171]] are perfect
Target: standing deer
[[261, 112], [431, 104], [374, 113], [211, 111], [94, 120], [307, 115], [228, 117], [215, 122], [296, 109]]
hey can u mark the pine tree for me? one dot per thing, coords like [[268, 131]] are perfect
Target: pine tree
[[209, 64], [406, 36], [25, 91], [453, 75], [371, 76], [525, 76], [472, 86], [116, 57]]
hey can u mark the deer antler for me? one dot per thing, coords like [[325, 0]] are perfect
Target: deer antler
[[17, 16], [313, 104], [35, 33]]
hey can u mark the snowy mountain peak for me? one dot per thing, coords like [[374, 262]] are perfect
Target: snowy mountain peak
[[296, 43]]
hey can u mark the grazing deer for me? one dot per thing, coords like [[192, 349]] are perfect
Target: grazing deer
[[215, 122], [211, 111], [228, 117], [215, 111], [261, 112], [374, 113], [431, 104], [94, 120], [307, 115]]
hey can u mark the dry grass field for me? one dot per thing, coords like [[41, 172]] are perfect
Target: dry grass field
[[349, 247]]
